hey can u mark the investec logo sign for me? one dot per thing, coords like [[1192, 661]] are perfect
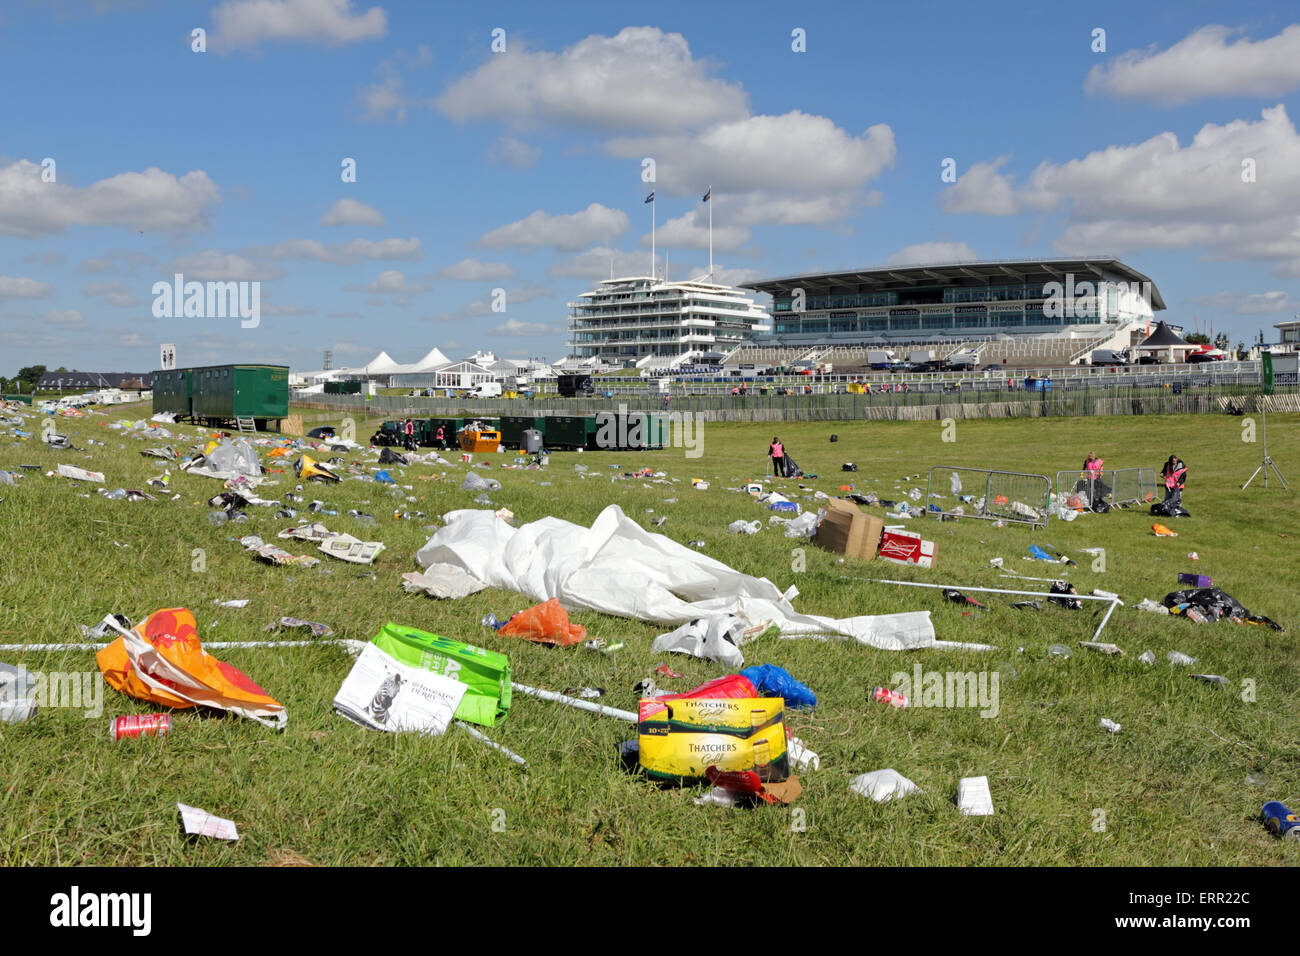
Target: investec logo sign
[[1078, 300], [208, 300]]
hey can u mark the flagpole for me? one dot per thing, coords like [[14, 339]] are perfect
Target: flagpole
[[710, 233], [652, 236]]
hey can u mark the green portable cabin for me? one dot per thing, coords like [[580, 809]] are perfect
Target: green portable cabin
[[514, 426], [342, 388], [224, 393], [566, 431], [173, 391], [626, 431], [428, 437]]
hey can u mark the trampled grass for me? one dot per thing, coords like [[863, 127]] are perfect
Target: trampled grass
[[1171, 788]]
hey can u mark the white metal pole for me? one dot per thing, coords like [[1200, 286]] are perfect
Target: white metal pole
[[958, 587], [652, 238], [492, 743], [710, 233], [1109, 611], [574, 702], [40, 648]]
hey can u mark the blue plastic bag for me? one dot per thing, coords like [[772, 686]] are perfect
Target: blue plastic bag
[[1040, 554], [770, 679], [384, 476]]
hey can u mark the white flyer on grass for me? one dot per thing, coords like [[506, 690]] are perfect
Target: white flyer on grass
[[201, 823], [385, 694]]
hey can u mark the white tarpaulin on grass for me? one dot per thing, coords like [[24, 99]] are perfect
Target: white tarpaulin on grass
[[617, 567]]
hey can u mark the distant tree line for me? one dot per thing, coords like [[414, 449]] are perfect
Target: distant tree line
[[26, 379]]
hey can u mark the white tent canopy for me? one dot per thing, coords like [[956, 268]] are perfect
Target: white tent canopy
[[381, 364], [617, 567]]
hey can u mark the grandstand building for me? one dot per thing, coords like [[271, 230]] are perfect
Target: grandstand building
[[1030, 310], [643, 319]]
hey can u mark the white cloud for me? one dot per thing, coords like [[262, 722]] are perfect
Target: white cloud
[[246, 23], [641, 78], [568, 232], [792, 169], [981, 189], [923, 253], [1201, 65], [594, 263], [51, 258], [383, 98], [350, 212], [515, 327], [512, 152], [115, 293], [19, 287], [391, 282], [152, 200], [65, 317], [213, 265], [691, 231], [1250, 303], [472, 270], [287, 310], [358, 250], [1234, 190]]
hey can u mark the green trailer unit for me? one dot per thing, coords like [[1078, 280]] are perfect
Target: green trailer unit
[[225, 393], [428, 437], [514, 426], [342, 388], [173, 391], [567, 431]]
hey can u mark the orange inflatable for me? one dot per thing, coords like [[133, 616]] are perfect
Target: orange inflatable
[[161, 660]]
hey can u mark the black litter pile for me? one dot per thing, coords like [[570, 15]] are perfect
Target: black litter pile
[[1215, 604], [389, 457], [1165, 509], [788, 467], [1065, 587]]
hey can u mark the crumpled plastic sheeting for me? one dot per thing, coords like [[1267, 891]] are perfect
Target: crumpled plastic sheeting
[[716, 638], [17, 694], [619, 568], [229, 459], [442, 581], [475, 482], [883, 785]]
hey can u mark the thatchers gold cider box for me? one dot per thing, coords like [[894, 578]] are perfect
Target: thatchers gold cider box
[[680, 739]]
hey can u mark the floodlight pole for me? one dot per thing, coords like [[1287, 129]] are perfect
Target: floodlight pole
[[1267, 462]]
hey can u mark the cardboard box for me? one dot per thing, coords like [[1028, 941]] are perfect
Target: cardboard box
[[680, 739], [905, 547], [848, 530]]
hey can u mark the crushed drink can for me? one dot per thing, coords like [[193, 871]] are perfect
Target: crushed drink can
[[139, 725], [1280, 820], [892, 697]]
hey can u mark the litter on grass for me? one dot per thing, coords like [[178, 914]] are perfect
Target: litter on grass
[[162, 661], [618, 567], [883, 785]]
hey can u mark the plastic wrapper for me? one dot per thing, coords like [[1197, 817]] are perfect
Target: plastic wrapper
[[545, 623], [162, 661], [773, 681]]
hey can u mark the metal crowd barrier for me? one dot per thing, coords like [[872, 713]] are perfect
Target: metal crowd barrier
[[1134, 486], [1009, 496], [1118, 488]]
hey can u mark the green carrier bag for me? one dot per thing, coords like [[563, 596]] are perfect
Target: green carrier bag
[[486, 673]]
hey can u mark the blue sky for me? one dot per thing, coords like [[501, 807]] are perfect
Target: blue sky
[[521, 170]]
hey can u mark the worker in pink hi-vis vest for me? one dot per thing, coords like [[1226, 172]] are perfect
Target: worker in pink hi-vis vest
[[777, 453]]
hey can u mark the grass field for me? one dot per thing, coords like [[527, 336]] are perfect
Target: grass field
[[1172, 786]]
